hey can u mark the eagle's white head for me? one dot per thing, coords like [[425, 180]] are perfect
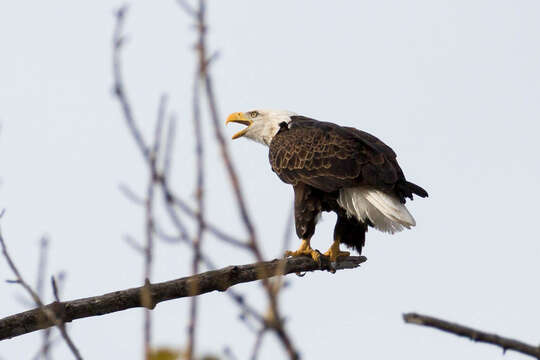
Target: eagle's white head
[[262, 125]]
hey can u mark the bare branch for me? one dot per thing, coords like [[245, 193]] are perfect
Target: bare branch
[[236, 297], [169, 143], [473, 334], [42, 351], [214, 230], [200, 17], [258, 342], [119, 88], [42, 265], [227, 351], [130, 240], [228, 163], [199, 194], [159, 125], [150, 223], [175, 218], [216, 280], [187, 8], [40, 283], [275, 321], [130, 194], [55, 289], [46, 314], [151, 155]]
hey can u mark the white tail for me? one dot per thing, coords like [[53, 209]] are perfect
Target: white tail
[[384, 211]]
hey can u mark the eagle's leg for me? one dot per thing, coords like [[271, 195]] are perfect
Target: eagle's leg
[[305, 249], [334, 251], [307, 207]]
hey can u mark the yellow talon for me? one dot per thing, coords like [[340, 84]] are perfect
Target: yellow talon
[[334, 252], [305, 249]]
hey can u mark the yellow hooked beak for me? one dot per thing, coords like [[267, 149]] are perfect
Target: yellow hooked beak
[[241, 119]]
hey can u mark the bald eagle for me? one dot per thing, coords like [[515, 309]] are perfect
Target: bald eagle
[[333, 168]]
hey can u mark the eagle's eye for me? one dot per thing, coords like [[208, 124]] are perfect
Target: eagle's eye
[[253, 114]]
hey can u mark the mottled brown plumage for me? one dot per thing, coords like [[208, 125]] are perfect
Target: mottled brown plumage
[[320, 158]]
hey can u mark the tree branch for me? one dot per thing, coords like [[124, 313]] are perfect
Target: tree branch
[[473, 334], [220, 280], [46, 315]]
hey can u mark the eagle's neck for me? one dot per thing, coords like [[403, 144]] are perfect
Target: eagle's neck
[[264, 131]]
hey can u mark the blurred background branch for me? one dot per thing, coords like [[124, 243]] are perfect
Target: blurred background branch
[[473, 334], [46, 313]]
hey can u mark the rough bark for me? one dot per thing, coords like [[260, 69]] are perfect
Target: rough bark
[[202, 283]]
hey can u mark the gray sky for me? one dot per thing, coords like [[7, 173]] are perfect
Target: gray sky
[[452, 87]]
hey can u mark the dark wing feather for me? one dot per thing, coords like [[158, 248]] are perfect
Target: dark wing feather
[[329, 157]]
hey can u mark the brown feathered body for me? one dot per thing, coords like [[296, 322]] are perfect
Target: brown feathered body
[[321, 159]]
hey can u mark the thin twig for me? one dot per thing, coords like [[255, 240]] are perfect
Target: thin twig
[[187, 8], [52, 342], [40, 284], [214, 230], [146, 296], [169, 143], [119, 88], [47, 315], [56, 293], [245, 307], [158, 131], [150, 154], [473, 334], [227, 351], [216, 280], [226, 157], [275, 320], [130, 240], [278, 282], [130, 194], [150, 226], [175, 218], [258, 342], [199, 194], [163, 235], [42, 265]]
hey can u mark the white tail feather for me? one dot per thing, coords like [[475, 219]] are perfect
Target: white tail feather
[[385, 211]]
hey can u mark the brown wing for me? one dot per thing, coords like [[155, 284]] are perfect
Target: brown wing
[[329, 157]]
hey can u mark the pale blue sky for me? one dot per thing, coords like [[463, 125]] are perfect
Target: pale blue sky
[[452, 86]]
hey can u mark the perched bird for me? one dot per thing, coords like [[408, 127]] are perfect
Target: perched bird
[[332, 168]]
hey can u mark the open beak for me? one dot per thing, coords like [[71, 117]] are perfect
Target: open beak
[[241, 119]]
